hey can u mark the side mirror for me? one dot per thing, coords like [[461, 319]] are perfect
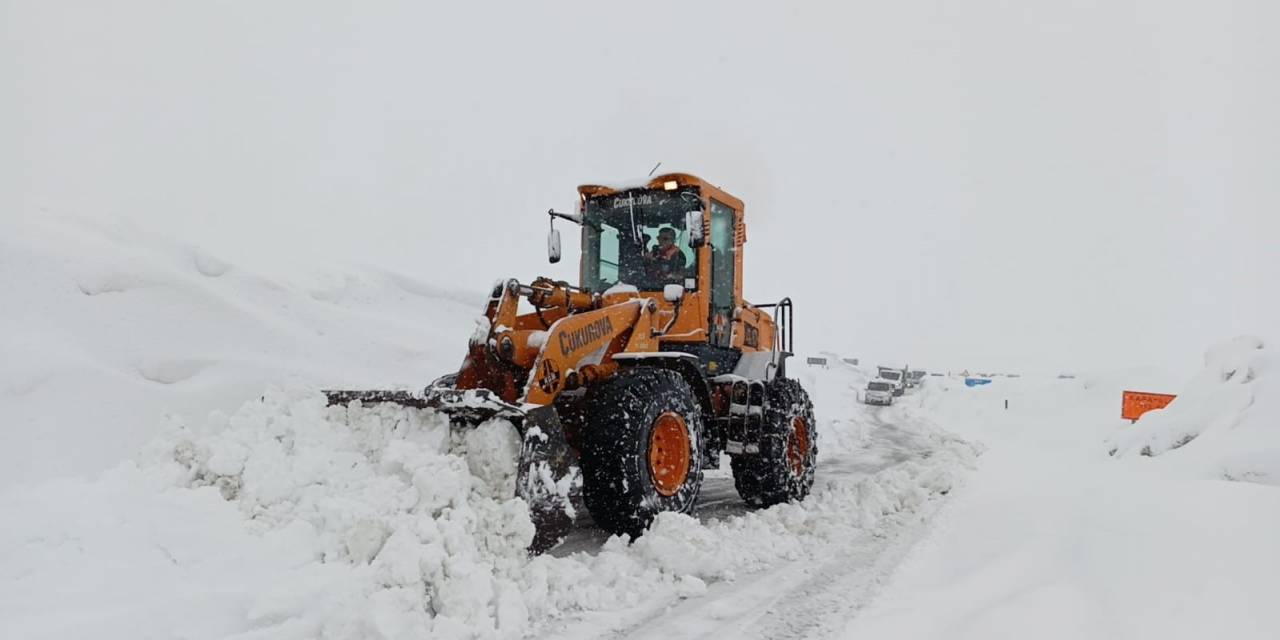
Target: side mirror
[[693, 229], [673, 293], [553, 245]]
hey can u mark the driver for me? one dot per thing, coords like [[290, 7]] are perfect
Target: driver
[[665, 262]]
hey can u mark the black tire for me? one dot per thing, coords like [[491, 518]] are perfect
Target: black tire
[[619, 486], [783, 470]]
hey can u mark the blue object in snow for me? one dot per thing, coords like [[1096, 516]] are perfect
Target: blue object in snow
[[973, 382]]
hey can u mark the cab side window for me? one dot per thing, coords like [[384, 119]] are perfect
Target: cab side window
[[609, 255], [722, 261]]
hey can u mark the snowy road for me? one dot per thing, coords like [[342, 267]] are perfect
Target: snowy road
[[887, 445], [807, 598]]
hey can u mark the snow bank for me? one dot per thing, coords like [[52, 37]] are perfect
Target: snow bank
[[1053, 538], [1046, 543], [106, 328], [1224, 424], [291, 519]]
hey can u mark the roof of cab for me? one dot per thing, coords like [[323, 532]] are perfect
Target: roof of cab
[[657, 182]]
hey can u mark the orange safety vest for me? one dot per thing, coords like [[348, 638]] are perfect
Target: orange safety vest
[[665, 254], [664, 261]]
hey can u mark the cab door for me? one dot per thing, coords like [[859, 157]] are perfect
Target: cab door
[[723, 254]]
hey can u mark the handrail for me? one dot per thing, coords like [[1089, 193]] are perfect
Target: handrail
[[783, 316]]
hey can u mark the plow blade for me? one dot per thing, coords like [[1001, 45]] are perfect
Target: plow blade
[[344, 397], [547, 478]]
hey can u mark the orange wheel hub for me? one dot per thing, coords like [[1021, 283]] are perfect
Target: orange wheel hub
[[669, 453], [798, 446]]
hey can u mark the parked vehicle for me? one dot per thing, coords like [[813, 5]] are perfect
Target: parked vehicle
[[897, 376], [879, 392]]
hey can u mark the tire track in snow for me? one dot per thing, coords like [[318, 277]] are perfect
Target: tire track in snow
[[719, 499]]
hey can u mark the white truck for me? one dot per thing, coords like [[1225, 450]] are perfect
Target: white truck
[[879, 391], [895, 375]]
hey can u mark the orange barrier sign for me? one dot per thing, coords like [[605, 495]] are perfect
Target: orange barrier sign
[[1136, 403]]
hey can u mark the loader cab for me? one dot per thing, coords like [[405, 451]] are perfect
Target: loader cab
[[621, 227], [625, 240]]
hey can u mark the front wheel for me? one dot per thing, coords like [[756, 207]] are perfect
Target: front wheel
[[641, 449]]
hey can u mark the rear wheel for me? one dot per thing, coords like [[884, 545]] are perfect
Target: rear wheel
[[783, 469], [641, 449]]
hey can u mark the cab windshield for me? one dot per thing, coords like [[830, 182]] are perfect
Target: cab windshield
[[880, 386], [891, 375], [637, 238]]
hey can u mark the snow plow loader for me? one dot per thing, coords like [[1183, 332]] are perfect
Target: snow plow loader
[[627, 386]]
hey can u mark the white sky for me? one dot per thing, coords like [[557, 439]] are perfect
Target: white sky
[[993, 185]]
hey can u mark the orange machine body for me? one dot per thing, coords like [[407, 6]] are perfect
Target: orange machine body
[[574, 334]]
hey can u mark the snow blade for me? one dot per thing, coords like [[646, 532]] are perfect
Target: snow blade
[[344, 397], [547, 478], [463, 405]]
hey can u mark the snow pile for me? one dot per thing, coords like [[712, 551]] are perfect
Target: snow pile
[[382, 523], [427, 516], [1224, 424], [291, 519]]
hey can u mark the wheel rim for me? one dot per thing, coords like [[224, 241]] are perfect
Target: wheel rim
[[798, 446], [669, 453]]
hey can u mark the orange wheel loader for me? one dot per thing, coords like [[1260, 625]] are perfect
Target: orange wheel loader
[[626, 387]]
